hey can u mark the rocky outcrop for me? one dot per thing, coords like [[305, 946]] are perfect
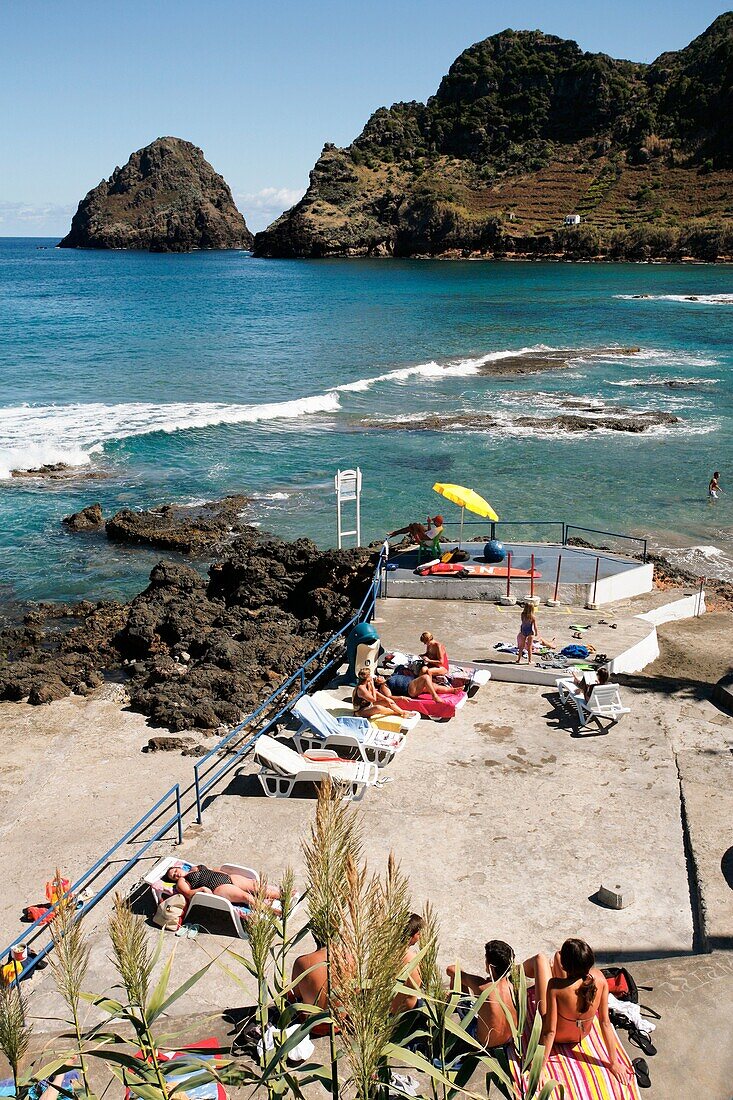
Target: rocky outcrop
[[167, 198], [200, 530], [88, 519], [197, 652], [565, 422], [525, 129]]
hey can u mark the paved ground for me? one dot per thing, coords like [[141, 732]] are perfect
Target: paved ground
[[501, 817]]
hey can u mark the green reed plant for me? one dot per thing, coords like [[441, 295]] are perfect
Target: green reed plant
[[366, 960], [70, 964], [15, 1032], [333, 843]]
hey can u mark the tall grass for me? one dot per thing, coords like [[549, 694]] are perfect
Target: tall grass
[[367, 958], [70, 963], [15, 1032]]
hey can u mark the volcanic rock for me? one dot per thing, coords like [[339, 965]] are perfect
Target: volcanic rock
[[188, 529], [197, 652], [88, 519], [167, 198], [565, 422]]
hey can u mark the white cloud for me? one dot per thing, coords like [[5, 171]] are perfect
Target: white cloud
[[24, 219], [262, 207]]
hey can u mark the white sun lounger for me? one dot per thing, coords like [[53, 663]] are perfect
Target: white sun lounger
[[213, 913], [281, 768], [343, 708], [604, 703], [320, 728]]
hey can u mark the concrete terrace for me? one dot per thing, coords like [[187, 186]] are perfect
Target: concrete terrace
[[502, 818]]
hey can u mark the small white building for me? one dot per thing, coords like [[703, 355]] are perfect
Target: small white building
[[572, 219]]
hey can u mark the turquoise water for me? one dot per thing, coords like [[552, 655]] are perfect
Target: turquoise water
[[183, 378]]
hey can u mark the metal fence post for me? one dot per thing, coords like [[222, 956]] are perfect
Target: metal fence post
[[179, 814], [197, 785]]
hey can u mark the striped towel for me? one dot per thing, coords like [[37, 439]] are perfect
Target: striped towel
[[582, 1068]]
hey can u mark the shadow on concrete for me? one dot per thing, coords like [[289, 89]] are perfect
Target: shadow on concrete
[[698, 690]]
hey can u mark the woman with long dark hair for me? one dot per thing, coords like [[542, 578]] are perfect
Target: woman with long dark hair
[[571, 992]]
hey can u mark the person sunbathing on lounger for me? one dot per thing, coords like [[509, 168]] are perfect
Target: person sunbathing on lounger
[[212, 880], [411, 685], [435, 657], [492, 1026], [571, 992], [371, 697]]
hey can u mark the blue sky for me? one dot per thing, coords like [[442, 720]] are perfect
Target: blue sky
[[260, 86]]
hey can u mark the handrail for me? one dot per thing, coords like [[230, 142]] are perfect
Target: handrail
[[34, 930], [609, 534]]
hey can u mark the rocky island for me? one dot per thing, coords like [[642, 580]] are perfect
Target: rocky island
[[531, 147], [167, 198]]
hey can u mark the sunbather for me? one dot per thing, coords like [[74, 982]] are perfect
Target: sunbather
[[371, 697], [310, 984], [407, 684], [212, 880], [403, 1002], [492, 1026], [435, 657], [571, 992]]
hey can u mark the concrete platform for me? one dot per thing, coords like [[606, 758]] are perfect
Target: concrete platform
[[474, 628], [618, 577]]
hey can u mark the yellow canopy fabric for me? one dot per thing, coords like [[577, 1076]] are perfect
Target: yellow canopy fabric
[[465, 498]]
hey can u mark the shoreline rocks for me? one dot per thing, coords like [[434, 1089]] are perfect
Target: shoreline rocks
[[199, 529], [196, 652], [88, 519], [564, 422]]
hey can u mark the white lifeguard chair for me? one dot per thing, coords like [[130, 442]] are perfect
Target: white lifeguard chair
[[348, 488]]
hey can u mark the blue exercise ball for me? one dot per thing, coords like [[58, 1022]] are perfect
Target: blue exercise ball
[[494, 551]]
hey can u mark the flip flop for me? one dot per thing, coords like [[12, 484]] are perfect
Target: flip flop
[[641, 1069], [641, 1040]]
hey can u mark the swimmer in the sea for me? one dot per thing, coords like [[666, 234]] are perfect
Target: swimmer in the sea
[[714, 489]]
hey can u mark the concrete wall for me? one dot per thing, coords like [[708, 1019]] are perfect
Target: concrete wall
[[622, 585], [686, 608]]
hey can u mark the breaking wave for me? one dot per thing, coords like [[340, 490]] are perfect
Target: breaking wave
[[703, 299], [703, 561], [35, 436]]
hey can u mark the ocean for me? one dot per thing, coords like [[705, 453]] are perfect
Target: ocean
[[181, 378]]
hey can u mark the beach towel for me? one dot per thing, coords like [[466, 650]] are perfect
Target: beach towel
[[425, 704], [582, 1068], [212, 1090]]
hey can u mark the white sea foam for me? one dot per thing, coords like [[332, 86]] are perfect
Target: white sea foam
[[33, 436], [704, 561], [669, 383], [693, 299], [270, 496]]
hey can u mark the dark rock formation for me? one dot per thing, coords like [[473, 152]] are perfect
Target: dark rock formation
[[198, 653], [88, 519], [565, 422], [60, 471], [167, 198], [200, 529], [525, 129]]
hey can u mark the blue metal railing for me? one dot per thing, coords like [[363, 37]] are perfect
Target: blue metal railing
[[34, 931], [203, 780], [564, 528], [609, 534]]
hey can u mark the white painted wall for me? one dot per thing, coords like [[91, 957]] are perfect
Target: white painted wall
[[620, 586]]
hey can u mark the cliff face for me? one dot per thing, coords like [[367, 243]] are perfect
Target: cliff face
[[525, 129], [167, 198]]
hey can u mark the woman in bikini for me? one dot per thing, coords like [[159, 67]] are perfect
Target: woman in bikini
[[372, 698], [570, 993], [212, 880], [528, 632]]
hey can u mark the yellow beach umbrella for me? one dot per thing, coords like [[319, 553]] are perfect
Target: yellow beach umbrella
[[465, 498]]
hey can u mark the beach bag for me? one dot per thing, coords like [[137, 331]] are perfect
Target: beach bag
[[169, 914], [621, 983], [579, 652]]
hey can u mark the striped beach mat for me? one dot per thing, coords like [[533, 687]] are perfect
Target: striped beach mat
[[582, 1070]]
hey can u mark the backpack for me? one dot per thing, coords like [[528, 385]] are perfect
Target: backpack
[[576, 651], [621, 983]]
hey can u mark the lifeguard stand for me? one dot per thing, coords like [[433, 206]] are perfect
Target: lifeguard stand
[[348, 488]]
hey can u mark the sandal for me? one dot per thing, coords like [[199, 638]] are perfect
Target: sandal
[[641, 1040], [641, 1069]]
